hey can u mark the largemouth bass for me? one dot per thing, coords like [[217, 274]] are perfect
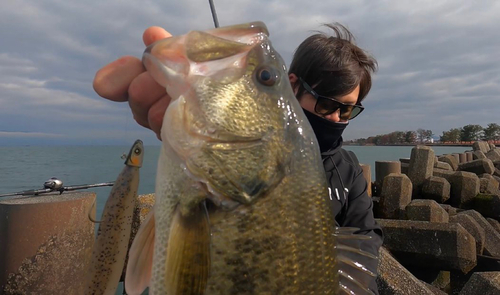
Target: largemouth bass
[[242, 205], [113, 235]]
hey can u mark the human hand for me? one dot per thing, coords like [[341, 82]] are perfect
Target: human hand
[[125, 79]]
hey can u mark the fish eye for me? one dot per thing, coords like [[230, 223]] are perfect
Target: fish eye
[[137, 151], [266, 76]]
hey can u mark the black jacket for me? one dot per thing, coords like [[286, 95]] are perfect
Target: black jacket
[[355, 208]]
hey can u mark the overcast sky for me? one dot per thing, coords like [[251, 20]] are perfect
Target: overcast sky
[[439, 61]]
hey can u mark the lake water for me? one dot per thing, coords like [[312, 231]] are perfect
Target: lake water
[[28, 167]]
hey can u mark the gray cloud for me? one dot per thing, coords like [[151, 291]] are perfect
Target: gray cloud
[[439, 66]]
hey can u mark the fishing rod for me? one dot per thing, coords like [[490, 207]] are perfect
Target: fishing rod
[[214, 13], [55, 185]]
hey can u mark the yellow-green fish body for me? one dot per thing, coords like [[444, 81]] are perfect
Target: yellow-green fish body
[[242, 204], [110, 247]]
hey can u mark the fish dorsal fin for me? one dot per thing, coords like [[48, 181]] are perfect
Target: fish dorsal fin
[[354, 276], [140, 259], [188, 252]]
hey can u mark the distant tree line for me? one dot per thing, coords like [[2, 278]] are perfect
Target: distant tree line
[[472, 133], [455, 135], [398, 137]]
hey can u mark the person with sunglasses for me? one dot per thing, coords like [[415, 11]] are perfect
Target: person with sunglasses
[[330, 76]]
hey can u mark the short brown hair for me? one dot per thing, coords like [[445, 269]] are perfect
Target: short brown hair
[[333, 65]]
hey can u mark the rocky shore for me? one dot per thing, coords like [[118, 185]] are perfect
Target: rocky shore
[[440, 216]]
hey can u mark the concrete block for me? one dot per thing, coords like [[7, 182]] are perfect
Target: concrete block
[[436, 188], [478, 155], [451, 160], [426, 210], [421, 166], [434, 290], [395, 195], [456, 157], [488, 185], [470, 156], [404, 160], [487, 205], [493, 179], [458, 281], [435, 277], [449, 209], [479, 166], [462, 158], [394, 279], [493, 155], [473, 228], [404, 168], [484, 283], [442, 280], [46, 243], [497, 178], [492, 145], [492, 238], [442, 246], [482, 146], [384, 168], [442, 165], [464, 186], [494, 223]]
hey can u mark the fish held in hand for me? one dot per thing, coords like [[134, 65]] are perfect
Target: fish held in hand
[[111, 245], [242, 202]]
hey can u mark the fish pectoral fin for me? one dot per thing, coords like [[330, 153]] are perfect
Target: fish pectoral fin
[[140, 259], [188, 252], [354, 276], [90, 213]]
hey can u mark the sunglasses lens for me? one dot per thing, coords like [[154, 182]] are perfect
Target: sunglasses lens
[[355, 111], [326, 106]]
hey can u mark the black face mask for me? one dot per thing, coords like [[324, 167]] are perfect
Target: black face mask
[[327, 132]]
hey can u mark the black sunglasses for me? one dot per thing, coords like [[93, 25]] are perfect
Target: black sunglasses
[[326, 105]]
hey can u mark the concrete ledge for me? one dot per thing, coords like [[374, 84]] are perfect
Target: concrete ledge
[[443, 246], [492, 237], [46, 243], [484, 283], [394, 279]]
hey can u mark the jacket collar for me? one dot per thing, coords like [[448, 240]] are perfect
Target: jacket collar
[[334, 149]]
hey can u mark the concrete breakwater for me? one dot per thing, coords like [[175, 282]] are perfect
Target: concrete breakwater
[[439, 214]]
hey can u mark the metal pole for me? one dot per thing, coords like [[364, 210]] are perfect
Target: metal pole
[[214, 13]]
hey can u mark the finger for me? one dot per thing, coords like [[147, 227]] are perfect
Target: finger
[[156, 113], [153, 34], [142, 94], [112, 81]]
